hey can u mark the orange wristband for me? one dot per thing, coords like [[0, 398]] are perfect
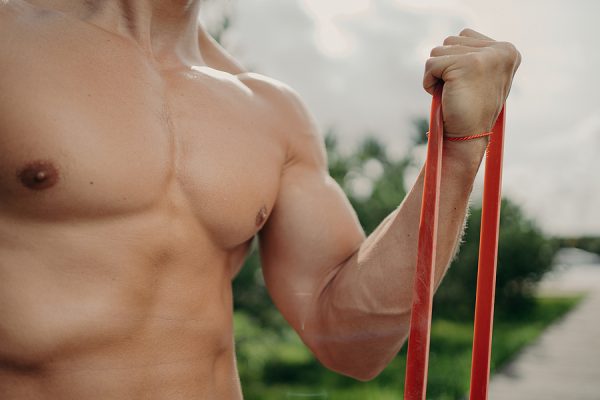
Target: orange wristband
[[470, 137], [463, 138]]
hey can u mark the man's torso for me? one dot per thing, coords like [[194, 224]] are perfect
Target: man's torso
[[128, 199]]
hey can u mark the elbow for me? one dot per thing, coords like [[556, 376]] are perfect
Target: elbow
[[360, 350], [366, 376], [354, 362], [363, 372]]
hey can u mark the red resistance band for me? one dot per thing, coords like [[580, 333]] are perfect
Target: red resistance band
[[420, 325]]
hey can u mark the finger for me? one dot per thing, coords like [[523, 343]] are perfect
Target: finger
[[467, 41], [453, 49], [474, 34], [434, 70]]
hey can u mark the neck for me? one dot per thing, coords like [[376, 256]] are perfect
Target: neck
[[167, 30]]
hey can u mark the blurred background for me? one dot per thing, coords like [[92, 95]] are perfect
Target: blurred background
[[358, 65]]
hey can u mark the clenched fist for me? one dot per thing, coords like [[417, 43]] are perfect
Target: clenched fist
[[477, 72]]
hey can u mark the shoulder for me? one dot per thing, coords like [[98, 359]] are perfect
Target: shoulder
[[278, 96], [277, 104], [290, 117]]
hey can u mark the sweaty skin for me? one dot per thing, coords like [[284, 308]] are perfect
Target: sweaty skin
[[139, 161]]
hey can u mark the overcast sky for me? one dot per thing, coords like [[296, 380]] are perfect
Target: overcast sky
[[358, 65]]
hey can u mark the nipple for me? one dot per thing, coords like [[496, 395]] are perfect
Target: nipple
[[261, 216], [38, 175]]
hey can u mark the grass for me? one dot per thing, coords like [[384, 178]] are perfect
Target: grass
[[280, 367]]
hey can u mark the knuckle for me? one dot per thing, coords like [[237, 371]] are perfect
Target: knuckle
[[512, 53], [507, 47], [519, 58], [466, 31], [476, 61], [429, 63], [515, 53], [436, 51], [450, 40]]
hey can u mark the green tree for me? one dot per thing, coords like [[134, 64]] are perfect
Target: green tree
[[524, 256], [587, 243]]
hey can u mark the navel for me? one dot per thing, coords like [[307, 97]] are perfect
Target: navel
[[38, 175], [261, 216]]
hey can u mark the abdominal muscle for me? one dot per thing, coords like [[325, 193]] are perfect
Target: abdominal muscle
[[136, 307]]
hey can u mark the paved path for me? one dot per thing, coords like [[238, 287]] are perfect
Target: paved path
[[565, 362]]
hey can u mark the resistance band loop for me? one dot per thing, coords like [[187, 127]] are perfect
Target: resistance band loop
[[488, 257], [420, 324]]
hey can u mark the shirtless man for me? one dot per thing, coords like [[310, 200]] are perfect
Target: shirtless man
[[138, 163]]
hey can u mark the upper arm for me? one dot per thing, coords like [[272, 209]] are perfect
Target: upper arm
[[312, 227]]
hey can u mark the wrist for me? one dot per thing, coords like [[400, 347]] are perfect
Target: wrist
[[467, 131], [465, 156]]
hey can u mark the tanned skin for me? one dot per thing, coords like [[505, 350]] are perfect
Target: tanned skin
[[139, 161]]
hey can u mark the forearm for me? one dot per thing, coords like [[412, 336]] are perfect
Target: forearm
[[361, 315]]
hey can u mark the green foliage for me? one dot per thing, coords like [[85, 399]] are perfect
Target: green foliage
[[250, 295], [421, 126], [280, 367], [388, 189], [587, 243], [524, 255]]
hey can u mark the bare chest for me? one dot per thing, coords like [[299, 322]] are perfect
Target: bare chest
[[83, 137]]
